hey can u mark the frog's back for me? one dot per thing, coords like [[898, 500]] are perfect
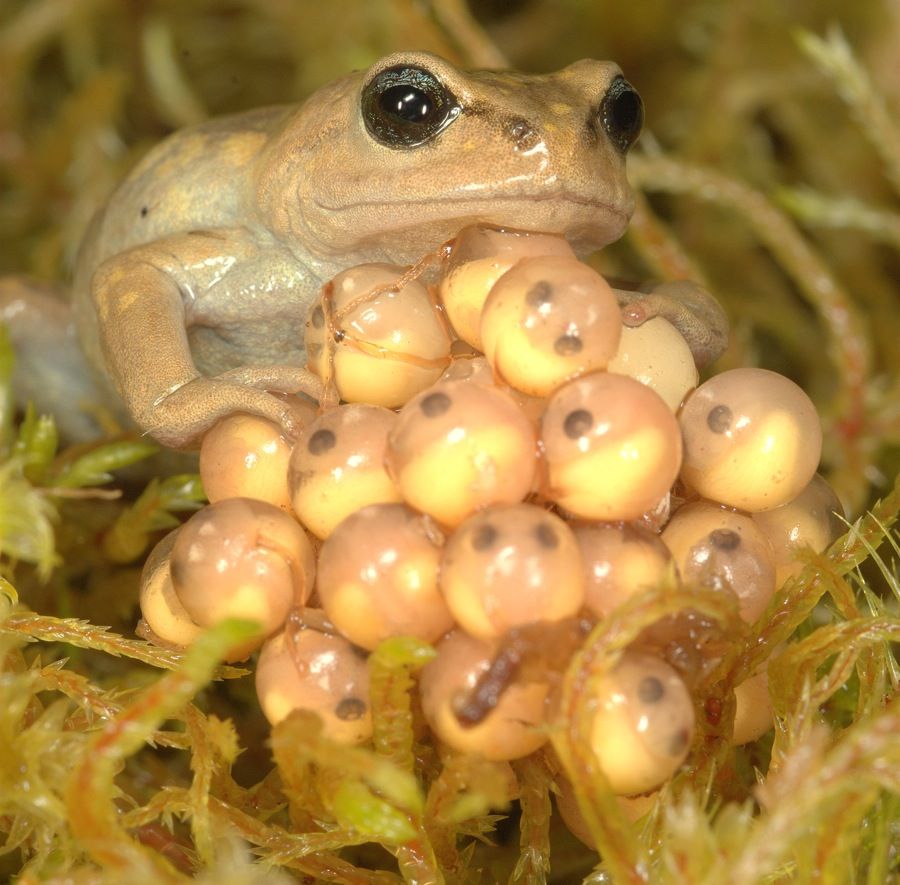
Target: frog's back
[[197, 179]]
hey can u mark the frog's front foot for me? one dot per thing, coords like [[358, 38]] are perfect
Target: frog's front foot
[[688, 307], [180, 417]]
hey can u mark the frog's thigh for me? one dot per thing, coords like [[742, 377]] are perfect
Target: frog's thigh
[[50, 370]]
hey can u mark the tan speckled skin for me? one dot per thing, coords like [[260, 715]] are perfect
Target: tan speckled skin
[[207, 256]]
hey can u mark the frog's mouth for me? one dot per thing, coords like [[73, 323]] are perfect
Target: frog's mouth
[[411, 227]]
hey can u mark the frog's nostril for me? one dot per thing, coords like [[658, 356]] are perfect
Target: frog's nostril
[[522, 133], [519, 128]]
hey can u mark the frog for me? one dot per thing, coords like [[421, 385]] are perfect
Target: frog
[[192, 286]]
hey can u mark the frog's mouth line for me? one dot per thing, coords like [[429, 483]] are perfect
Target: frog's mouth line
[[589, 223], [474, 201]]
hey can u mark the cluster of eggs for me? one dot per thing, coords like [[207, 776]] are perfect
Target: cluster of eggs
[[493, 451]]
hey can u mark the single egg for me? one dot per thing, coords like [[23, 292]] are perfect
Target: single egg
[[309, 670], [378, 343], [162, 611], [337, 466], [241, 558], [612, 447], [459, 447], [643, 723], [752, 439], [513, 729], [245, 456], [548, 320], [480, 256], [657, 355], [620, 561], [719, 548], [812, 519], [509, 566], [378, 574]]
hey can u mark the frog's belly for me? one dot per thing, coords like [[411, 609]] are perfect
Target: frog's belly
[[217, 350]]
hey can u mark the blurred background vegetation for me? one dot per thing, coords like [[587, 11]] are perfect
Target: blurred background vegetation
[[769, 169]]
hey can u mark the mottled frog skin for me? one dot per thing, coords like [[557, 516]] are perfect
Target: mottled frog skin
[[192, 286]]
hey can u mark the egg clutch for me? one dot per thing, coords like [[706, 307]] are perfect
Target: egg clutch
[[496, 455]]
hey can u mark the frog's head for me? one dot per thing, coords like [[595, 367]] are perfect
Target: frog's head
[[391, 162]]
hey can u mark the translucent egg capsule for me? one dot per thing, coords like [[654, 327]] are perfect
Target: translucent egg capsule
[[337, 466], [619, 562], [657, 355], [548, 320], [513, 729], [378, 573], [160, 606], [458, 447], [724, 550], [241, 558], [509, 566], [643, 723], [244, 456], [752, 439], [612, 447], [812, 519], [167, 619], [377, 348], [480, 257], [309, 670]]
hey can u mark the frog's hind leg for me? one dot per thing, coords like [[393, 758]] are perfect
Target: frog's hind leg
[[50, 369]]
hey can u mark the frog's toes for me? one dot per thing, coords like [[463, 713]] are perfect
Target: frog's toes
[[179, 418], [688, 307], [636, 313], [50, 369]]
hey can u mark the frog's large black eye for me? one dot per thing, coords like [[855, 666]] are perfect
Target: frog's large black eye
[[622, 113], [405, 106]]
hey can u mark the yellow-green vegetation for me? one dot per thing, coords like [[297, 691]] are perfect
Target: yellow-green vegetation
[[769, 170]]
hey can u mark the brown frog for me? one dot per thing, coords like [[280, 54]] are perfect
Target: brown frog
[[192, 286]]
